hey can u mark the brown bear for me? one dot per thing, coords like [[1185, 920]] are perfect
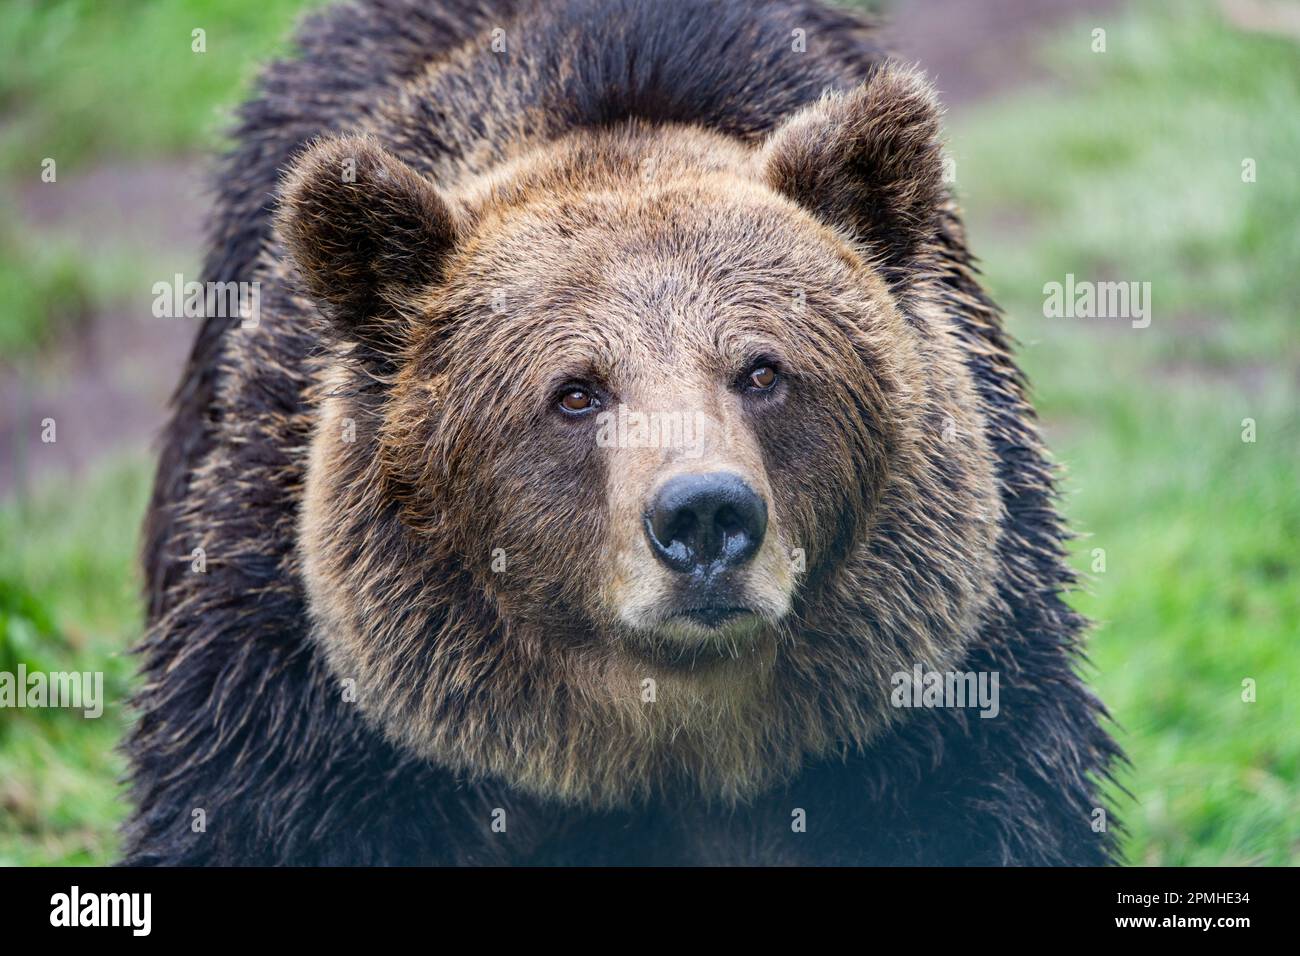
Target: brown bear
[[623, 466]]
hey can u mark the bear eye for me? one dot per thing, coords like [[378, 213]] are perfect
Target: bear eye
[[761, 378], [576, 400]]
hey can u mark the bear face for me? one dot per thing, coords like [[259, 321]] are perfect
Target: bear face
[[659, 339], [699, 395]]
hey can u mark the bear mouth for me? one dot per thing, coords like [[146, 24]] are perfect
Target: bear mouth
[[712, 616], [700, 637]]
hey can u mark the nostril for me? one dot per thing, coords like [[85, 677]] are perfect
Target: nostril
[[706, 521], [683, 526], [727, 520]]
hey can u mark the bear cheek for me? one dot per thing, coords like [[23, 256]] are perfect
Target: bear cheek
[[539, 530], [810, 468]]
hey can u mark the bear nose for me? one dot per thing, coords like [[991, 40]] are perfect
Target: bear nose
[[706, 522]]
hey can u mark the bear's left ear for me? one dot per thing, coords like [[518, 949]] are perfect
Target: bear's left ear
[[367, 231], [867, 160]]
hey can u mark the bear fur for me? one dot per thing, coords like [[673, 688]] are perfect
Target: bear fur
[[426, 606]]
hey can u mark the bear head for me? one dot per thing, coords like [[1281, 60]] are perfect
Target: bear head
[[645, 459]]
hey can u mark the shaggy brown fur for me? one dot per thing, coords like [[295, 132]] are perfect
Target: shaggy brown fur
[[391, 502]]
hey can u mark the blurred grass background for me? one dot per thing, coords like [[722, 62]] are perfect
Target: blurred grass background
[[1124, 165]]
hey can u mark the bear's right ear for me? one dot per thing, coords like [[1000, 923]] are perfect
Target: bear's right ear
[[867, 161], [366, 231]]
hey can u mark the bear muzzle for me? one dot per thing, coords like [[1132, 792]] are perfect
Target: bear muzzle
[[705, 528]]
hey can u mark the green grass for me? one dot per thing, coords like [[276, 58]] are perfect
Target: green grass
[[69, 601], [1128, 167], [87, 82], [51, 286], [88, 79]]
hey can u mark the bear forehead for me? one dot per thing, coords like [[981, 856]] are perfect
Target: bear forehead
[[632, 262], [719, 222], [686, 259], [687, 301]]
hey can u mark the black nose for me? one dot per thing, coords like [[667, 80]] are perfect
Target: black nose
[[706, 522]]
